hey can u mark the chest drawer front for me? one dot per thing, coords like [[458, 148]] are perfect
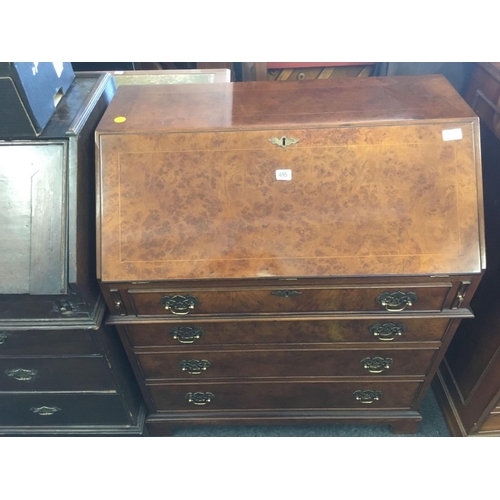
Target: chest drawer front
[[42, 342], [492, 423], [297, 395], [61, 409], [55, 374], [289, 300], [284, 363], [387, 331], [483, 94]]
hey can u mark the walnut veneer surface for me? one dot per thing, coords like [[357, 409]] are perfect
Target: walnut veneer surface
[[373, 238]]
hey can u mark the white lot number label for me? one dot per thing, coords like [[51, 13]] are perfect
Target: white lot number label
[[284, 175], [452, 134]]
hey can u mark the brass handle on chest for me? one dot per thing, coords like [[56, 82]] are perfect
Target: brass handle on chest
[[367, 396], [3, 338], [199, 398], [22, 374], [387, 331], [194, 366], [376, 364], [396, 301], [179, 304], [186, 334], [45, 410]]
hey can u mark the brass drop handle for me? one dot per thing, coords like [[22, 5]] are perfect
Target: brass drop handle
[[367, 396], [200, 398], [396, 301], [194, 366], [45, 411], [186, 334], [387, 332], [3, 338], [376, 364], [22, 374], [179, 304]]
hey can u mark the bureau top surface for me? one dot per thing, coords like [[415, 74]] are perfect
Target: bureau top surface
[[149, 108], [377, 179]]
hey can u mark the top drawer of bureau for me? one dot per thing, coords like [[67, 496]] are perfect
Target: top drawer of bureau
[[272, 300]]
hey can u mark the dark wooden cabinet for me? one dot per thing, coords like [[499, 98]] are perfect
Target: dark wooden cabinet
[[61, 370], [288, 252], [468, 381], [47, 258]]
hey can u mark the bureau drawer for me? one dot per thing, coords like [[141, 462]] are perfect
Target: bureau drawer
[[288, 300], [282, 395], [46, 342], [492, 423], [55, 374], [61, 409], [286, 332], [258, 363]]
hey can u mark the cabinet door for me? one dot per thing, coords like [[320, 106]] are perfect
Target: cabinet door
[[32, 218]]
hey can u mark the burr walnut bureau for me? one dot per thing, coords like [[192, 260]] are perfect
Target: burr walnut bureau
[[288, 252]]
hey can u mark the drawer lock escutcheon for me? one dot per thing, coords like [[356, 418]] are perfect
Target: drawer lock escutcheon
[[194, 366], [179, 304], [283, 142], [200, 398], [286, 293], [387, 331], [376, 364], [22, 374], [186, 334], [45, 410], [396, 301], [367, 396]]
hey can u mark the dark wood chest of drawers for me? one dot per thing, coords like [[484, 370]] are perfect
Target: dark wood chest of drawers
[[61, 370], [468, 381], [288, 252], [67, 382]]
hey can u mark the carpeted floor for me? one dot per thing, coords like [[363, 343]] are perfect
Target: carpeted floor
[[433, 425]]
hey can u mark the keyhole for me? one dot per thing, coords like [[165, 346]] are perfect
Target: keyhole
[[283, 140]]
